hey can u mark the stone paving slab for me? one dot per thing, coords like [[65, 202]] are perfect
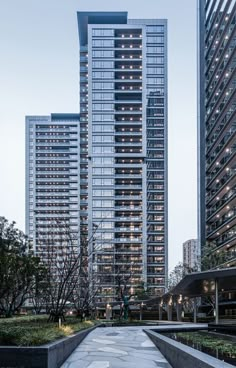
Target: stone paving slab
[[116, 347]]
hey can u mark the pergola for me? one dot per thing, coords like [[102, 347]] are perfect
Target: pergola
[[196, 285]]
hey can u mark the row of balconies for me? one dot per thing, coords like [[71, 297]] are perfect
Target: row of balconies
[[219, 204], [228, 219]]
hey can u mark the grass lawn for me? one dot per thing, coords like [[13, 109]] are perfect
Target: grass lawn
[[34, 330]]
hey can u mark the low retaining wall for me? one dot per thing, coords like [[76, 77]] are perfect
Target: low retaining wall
[[47, 356], [182, 356]]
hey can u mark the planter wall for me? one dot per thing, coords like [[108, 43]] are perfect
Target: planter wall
[[182, 356], [47, 356]]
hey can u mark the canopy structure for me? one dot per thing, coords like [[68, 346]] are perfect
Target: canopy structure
[[200, 284], [203, 283]]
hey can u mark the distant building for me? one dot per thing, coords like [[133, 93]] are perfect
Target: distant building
[[217, 130], [52, 176], [191, 253]]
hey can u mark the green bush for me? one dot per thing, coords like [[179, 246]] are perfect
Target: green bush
[[33, 331]]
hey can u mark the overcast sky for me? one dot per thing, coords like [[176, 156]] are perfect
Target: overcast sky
[[39, 74]]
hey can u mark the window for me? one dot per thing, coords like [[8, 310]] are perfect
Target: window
[[103, 85], [103, 138], [155, 70], [155, 80], [103, 32], [103, 160], [103, 181], [155, 49], [155, 28], [103, 170], [155, 39], [103, 203], [101, 117], [103, 64], [103, 193], [103, 43], [103, 96], [103, 128], [103, 106], [103, 53], [103, 214], [155, 60], [103, 75]]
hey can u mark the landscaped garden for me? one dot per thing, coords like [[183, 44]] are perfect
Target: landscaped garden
[[35, 330], [221, 347]]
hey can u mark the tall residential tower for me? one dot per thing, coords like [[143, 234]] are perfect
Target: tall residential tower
[[217, 129], [123, 146], [52, 177]]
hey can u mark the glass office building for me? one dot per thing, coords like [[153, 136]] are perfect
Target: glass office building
[[123, 149], [217, 129]]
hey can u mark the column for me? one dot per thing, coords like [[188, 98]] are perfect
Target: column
[[216, 302], [195, 310], [179, 311], [160, 311], [169, 309]]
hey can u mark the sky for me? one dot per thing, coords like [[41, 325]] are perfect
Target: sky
[[39, 75]]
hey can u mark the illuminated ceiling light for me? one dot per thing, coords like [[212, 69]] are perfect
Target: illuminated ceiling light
[[227, 55], [227, 226], [217, 233], [226, 74], [217, 163], [228, 207], [217, 180], [227, 188], [227, 150], [227, 169]]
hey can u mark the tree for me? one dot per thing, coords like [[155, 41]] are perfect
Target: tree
[[65, 255], [212, 257], [125, 289], [178, 274], [19, 268]]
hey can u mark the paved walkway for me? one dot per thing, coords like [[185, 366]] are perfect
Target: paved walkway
[[116, 347]]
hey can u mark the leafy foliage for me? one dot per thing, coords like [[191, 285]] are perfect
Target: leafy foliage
[[209, 341], [33, 331], [19, 268]]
